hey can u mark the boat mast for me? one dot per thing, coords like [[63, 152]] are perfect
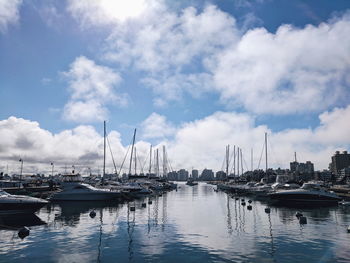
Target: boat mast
[[150, 161], [266, 152], [238, 161], [132, 151], [164, 162], [234, 160], [241, 162], [135, 162], [104, 150], [251, 158], [157, 163], [227, 159]]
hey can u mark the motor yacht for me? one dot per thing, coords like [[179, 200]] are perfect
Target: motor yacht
[[18, 204], [74, 190], [309, 193]]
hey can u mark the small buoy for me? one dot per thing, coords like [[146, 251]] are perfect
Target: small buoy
[[149, 202], [249, 207], [243, 203], [250, 201], [242, 199], [267, 210], [159, 195], [302, 220], [92, 214], [23, 232], [348, 229], [237, 198], [143, 205], [132, 208], [298, 214]]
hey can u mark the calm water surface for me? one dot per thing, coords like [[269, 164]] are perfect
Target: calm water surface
[[192, 224]]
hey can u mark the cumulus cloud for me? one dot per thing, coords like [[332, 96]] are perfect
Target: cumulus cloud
[[9, 13], [200, 143], [91, 86], [156, 126], [292, 70]]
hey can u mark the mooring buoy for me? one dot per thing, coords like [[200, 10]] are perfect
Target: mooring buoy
[[23, 232], [92, 214], [250, 201], [302, 220], [298, 214], [249, 207], [267, 210], [237, 198], [149, 202], [143, 205], [132, 208], [242, 200], [243, 203], [348, 229]]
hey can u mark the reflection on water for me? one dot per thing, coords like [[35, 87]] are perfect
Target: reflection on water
[[193, 224]]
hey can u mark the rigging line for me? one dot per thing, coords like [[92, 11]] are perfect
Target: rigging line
[[121, 166], [110, 149], [262, 151], [144, 163], [138, 158], [246, 166], [233, 155]]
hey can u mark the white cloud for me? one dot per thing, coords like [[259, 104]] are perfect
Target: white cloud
[[200, 143], [92, 86], [9, 13], [105, 12], [293, 70], [156, 126]]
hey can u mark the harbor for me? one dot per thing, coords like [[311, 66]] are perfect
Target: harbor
[[178, 226]]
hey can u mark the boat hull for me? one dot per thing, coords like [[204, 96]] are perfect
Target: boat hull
[[86, 196], [20, 208], [304, 199]]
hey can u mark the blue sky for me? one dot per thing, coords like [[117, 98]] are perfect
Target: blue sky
[[179, 72]]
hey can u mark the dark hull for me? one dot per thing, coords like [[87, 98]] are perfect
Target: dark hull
[[20, 208], [304, 199]]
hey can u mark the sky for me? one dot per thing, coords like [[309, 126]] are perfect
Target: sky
[[192, 75]]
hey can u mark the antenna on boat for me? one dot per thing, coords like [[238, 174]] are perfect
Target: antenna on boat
[[132, 151]]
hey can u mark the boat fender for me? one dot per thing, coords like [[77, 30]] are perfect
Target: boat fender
[[92, 214], [302, 220], [23, 232]]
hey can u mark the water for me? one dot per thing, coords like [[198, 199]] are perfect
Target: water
[[194, 224]]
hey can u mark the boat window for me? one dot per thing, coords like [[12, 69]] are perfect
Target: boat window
[[80, 187]]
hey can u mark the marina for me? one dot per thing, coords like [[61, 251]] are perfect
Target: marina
[[192, 224]]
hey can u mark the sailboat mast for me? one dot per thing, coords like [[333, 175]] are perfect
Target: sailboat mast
[[150, 161], [238, 161], [132, 151], [164, 162], [227, 159], [266, 152], [157, 164], [251, 159], [135, 162], [104, 150], [234, 160], [241, 162]]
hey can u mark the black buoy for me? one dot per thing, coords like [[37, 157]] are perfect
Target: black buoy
[[348, 229], [143, 205], [250, 201], [302, 220], [267, 210], [92, 214], [298, 214], [160, 195], [150, 202], [243, 203], [23, 232], [237, 198], [132, 208], [249, 207], [242, 199]]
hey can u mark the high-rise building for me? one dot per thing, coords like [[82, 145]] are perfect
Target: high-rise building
[[182, 175], [195, 174], [339, 162], [207, 175]]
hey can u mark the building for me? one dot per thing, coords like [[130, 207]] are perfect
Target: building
[[304, 168], [207, 175], [195, 174], [339, 162], [182, 175], [220, 175]]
